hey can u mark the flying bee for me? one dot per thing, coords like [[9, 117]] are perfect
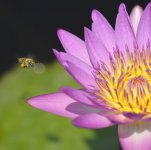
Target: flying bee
[[26, 62]]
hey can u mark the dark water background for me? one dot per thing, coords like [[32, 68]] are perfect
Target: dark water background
[[28, 27]]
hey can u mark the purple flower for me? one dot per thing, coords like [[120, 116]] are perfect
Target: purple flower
[[114, 69]]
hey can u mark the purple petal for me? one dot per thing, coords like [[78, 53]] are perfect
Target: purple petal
[[93, 121], [60, 104], [147, 118], [124, 34], [136, 136], [119, 118], [134, 116], [53, 103], [79, 95], [101, 104], [96, 50], [103, 30], [65, 57], [81, 76], [144, 28], [80, 109], [85, 98], [135, 16], [73, 45]]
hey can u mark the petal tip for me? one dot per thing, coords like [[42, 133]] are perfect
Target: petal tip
[[136, 11], [138, 7], [32, 102], [94, 14], [60, 32], [78, 123], [54, 50], [75, 123], [122, 7], [148, 7], [57, 54], [86, 30], [97, 16], [149, 4]]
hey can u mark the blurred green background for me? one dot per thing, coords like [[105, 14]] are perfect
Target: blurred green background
[[25, 128]]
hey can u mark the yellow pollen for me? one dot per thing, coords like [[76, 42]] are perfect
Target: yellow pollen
[[125, 85]]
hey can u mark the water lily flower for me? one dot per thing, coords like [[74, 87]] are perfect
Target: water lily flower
[[113, 68]]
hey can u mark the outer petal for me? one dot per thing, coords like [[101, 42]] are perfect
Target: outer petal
[[147, 118], [119, 118], [134, 116], [144, 28], [135, 16], [79, 95], [85, 98], [123, 31], [60, 104], [96, 49], [103, 30], [81, 76], [73, 45], [81, 109], [93, 121], [136, 136], [65, 57], [53, 103]]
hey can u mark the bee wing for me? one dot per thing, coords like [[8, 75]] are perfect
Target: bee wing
[[20, 60]]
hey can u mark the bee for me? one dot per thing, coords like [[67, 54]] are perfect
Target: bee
[[26, 62]]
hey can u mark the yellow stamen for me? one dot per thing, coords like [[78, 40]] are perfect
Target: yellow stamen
[[127, 87]]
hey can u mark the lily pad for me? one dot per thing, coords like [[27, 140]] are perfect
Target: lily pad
[[27, 128]]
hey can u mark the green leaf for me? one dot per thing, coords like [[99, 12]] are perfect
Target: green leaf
[[23, 127]]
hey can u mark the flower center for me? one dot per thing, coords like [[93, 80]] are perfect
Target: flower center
[[137, 82], [125, 85]]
